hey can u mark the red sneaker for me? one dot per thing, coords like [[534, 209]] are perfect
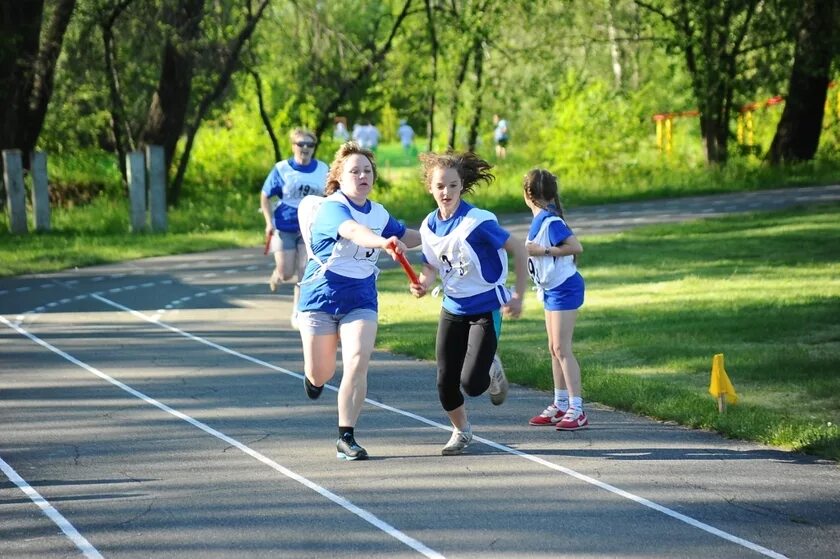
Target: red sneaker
[[550, 416], [573, 420]]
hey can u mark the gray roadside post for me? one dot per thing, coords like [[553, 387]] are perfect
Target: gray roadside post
[[157, 187], [40, 191], [15, 192], [136, 171]]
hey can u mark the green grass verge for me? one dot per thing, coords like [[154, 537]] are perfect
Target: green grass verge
[[763, 289]]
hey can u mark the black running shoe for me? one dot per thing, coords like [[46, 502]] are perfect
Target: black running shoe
[[312, 391], [348, 449]]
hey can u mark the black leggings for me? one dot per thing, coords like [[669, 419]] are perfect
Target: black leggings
[[465, 348]]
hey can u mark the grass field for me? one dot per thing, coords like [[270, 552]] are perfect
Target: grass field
[[661, 301]]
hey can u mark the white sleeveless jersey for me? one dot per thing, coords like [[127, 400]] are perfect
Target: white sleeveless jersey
[[347, 258], [547, 272], [297, 184], [456, 261]]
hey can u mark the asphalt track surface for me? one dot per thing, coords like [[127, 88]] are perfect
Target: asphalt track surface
[[155, 408]]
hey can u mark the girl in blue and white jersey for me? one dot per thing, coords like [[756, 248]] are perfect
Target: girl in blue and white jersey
[[468, 248], [344, 234], [552, 249], [289, 181]]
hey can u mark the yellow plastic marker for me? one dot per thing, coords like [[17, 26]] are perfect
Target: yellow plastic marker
[[720, 386]]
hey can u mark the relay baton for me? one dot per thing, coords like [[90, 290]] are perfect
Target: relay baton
[[267, 242], [409, 271]]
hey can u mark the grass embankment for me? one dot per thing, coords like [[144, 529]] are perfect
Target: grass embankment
[[662, 300], [219, 205]]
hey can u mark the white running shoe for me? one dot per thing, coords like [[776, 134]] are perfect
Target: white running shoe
[[457, 442], [498, 382]]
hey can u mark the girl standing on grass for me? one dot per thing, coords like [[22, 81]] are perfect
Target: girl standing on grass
[[552, 254], [469, 249]]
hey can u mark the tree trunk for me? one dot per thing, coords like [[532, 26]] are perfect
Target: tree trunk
[[44, 76], [278, 155], [478, 53], [430, 126], [20, 28], [615, 48], [120, 130], [168, 110], [219, 88], [456, 99], [798, 133]]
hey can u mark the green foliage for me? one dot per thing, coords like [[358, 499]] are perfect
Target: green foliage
[[594, 130], [233, 154], [90, 170], [388, 123]]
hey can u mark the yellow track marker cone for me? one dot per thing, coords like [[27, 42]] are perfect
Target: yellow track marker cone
[[720, 386]]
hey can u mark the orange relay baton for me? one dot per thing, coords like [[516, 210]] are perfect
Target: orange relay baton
[[409, 271]]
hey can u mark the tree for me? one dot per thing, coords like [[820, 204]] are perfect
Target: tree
[[122, 133], [714, 38], [27, 67], [430, 20], [228, 67], [376, 54], [168, 111], [798, 133]]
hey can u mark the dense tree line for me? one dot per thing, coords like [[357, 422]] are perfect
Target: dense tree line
[[120, 74]]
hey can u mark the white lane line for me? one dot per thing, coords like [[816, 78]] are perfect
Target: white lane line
[[22, 317], [57, 518], [537, 460], [337, 499]]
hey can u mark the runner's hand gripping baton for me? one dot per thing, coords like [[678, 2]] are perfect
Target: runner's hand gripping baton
[[409, 271]]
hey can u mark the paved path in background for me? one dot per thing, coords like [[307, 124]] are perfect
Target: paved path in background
[[154, 408], [612, 218]]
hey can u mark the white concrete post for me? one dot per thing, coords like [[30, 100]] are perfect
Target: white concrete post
[[156, 169], [15, 191], [40, 191], [136, 171]]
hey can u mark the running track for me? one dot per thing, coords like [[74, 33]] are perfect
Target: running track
[[155, 408]]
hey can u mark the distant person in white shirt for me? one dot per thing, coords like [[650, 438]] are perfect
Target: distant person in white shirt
[[406, 134], [340, 133], [371, 136]]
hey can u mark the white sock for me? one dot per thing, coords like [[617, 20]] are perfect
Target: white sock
[[576, 402], [561, 399]]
